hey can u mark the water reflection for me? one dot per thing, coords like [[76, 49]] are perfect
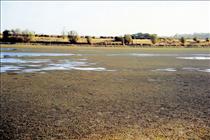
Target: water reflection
[[13, 62]]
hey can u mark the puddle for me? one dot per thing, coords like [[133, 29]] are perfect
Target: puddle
[[184, 69], [8, 49], [8, 68], [195, 58], [12, 62], [190, 68], [147, 54], [94, 69], [195, 69], [166, 69], [18, 61], [205, 70], [159, 54]]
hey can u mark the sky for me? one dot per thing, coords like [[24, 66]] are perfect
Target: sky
[[108, 18]]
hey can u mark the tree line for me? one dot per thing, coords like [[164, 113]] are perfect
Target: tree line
[[18, 35]]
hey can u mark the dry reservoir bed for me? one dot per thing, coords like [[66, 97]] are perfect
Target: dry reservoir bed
[[104, 93]]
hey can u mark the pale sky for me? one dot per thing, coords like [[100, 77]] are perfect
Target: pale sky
[[107, 17]]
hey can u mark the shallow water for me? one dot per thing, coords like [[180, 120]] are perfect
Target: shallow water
[[13, 62], [195, 58], [195, 69], [29, 62], [8, 49], [183, 69], [166, 70], [205, 55], [30, 54]]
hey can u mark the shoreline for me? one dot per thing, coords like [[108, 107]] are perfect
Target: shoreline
[[99, 47]]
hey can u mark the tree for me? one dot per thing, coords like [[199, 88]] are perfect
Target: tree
[[89, 40], [6, 35], [128, 39], [195, 39], [207, 39], [117, 38], [17, 35], [73, 37], [27, 35], [182, 40], [153, 38], [121, 39]]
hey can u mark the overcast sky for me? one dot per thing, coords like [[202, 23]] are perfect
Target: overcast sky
[[107, 17]]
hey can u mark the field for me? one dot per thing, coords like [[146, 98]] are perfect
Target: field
[[135, 98]]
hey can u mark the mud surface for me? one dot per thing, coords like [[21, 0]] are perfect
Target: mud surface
[[134, 102]]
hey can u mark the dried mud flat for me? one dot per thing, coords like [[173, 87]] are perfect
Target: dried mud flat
[[132, 103]]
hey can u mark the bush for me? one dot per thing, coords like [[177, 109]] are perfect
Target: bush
[[117, 38], [73, 37], [6, 35], [128, 39], [17, 36], [153, 38], [89, 40], [121, 39], [182, 40], [195, 39]]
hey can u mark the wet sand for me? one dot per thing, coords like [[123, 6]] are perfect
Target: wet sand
[[133, 102]]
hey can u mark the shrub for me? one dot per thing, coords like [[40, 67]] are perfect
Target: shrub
[[128, 39], [196, 40], [121, 39], [182, 40], [17, 35], [73, 37], [153, 38], [89, 40], [6, 35], [117, 38]]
